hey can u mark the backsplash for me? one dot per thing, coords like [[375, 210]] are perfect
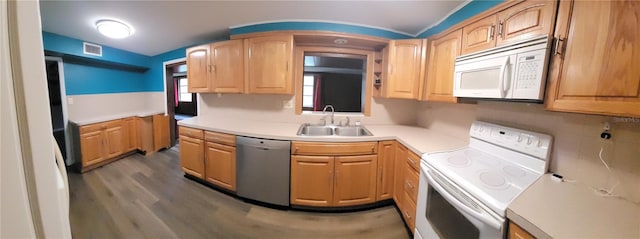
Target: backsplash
[[576, 145], [95, 106], [269, 108]]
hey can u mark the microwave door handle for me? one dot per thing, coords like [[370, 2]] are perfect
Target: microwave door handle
[[502, 77], [482, 216]]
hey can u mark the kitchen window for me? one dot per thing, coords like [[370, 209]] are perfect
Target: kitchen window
[[183, 92]]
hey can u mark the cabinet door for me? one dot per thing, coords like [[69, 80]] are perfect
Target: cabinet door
[[355, 181], [130, 135], [92, 147], [596, 67], [398, 175], [270, 65], [161, 138], [227, 66], [526, 20], [192, 156], [442, 56], [113, 140], [198, 63], [480, 35], [405, 69], [220, 165], [386, 165], [312, 180]]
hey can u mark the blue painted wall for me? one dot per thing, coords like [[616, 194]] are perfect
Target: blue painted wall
[[86, 79], [469, 10], [320, 26], [82, 79]]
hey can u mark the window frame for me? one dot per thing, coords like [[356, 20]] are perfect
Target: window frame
[[299, 53]]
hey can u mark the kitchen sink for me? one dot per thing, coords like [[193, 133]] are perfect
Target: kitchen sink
[[332, 130]]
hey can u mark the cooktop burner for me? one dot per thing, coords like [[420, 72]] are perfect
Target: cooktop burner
[[459, 161], [494, 180]]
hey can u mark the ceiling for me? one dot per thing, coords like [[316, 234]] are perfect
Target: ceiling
[[161, 26]]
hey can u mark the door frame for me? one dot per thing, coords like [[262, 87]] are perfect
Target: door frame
[[65, 114], [168, 79]]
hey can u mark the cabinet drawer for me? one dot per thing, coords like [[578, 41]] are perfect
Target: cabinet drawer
[[409, 212], [414, 161], [92, 128], [341, 149], [516, 232], [220, 138], [411, 180], [191, 132], [113, 124]]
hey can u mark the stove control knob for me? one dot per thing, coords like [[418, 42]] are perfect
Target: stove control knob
[[529, 140], [519, 138]]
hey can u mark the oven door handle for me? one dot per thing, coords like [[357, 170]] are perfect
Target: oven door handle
[[482, 215]]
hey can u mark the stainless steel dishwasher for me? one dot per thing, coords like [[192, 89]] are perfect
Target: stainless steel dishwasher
[[263, 169]]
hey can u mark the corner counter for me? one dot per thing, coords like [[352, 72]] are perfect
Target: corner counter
[[550, 209]]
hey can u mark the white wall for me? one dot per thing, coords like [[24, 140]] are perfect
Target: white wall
[[576, 139], [98, 106], [269, 108]]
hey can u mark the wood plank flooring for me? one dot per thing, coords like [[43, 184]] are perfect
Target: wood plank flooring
[[148, 197]]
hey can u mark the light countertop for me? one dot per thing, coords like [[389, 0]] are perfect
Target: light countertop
[[417, 139], [92, 120], [550, 209]]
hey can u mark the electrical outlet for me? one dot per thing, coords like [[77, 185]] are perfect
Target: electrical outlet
[[70, 100], [287, 104]]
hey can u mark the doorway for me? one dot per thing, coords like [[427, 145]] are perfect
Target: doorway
[[180, 103], [58, 105]]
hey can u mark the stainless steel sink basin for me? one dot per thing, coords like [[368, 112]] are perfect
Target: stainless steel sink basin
[[332, 130], [315, 130], [351, 131]]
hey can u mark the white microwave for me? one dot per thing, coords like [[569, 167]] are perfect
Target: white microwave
[[514, 72]]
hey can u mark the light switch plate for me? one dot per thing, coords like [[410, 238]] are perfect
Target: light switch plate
[[70, 100]]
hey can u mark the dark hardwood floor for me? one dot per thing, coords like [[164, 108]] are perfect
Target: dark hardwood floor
[[148, 197]]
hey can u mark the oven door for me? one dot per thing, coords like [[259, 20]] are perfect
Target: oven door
[[452, 213]]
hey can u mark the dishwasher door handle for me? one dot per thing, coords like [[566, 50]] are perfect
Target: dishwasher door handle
[[263, 148]]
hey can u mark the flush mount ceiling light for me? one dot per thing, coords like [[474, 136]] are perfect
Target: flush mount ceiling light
[[114, 29]]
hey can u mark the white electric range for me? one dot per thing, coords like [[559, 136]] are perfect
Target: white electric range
[[464, 193]]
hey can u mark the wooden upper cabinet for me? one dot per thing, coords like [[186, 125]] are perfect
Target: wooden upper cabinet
[[312, 180], [405, 68], [227, 66], [355, 180], [386, 166], [595, 68], [526, 20], [198, 64], [270, 64], [442, 56], [480, 35]]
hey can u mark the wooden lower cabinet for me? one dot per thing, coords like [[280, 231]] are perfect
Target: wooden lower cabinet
[[386, 166], [516, 232], [92, 147], [100, 142], [355, 180], [408, 210], [220, 165], [312, 180], [398, 176], [333, 174], [406, 183], [161, 138], [130, 136], [191, 156]]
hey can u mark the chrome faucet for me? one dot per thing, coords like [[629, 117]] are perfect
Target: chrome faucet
[[333, 111]]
